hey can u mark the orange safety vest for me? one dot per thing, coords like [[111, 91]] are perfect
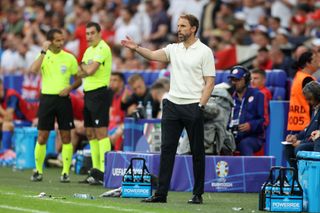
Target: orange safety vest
[[299, 109]]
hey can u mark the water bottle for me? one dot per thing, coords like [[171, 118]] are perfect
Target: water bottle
[[140, 105], [149, 110], [83, 196]]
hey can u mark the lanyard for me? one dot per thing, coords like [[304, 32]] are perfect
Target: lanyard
[[240, 110]]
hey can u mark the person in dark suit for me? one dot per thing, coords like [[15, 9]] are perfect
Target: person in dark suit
[[307, 139]]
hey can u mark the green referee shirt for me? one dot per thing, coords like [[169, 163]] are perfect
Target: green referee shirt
[[56, 71], [101, 54]]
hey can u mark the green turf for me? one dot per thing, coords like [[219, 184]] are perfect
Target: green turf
[[17, 195]]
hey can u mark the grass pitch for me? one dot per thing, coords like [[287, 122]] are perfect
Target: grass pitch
[[19, 194]]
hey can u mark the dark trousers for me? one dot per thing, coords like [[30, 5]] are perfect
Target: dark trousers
[[290, 152], [174, 119]]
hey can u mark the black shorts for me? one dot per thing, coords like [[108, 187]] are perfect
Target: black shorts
[[96, 107], [54, 106]]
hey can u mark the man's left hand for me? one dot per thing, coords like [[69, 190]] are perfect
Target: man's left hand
[[65, 92], [244, 127]]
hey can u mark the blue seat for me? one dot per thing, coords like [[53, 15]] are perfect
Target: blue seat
[[276, 81]]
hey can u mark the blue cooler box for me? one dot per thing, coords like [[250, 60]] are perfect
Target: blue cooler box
[[24, 140], [136, 183], [279, 194], [309, 177]]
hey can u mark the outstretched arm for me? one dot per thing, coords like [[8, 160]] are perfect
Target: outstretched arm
[[156, 55]]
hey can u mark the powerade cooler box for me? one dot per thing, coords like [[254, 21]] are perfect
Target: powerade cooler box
[[309, 177], [279, 194], [135, 183]]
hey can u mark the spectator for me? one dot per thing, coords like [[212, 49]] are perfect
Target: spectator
[[160, 23], [299, 109], [158, 93], [262, 60], [140, 92], [258, 80], [281, 61], [83, 13], [274, 25], [124, 26], [117, 85], [11, 62], [207, 19], [307, 139], [283, 10], [247, 116]]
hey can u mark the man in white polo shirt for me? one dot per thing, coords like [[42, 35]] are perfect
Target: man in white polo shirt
[[191, 83]]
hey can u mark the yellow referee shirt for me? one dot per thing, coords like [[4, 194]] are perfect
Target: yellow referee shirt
[[101, 54], [56, 71]]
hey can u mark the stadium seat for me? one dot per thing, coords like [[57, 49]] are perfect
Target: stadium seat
[[276, 81]]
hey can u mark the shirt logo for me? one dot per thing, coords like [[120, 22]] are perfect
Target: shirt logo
[[235, 71], [96, 121], [251, 98], [63, 69]]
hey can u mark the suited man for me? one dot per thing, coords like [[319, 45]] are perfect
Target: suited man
[[308, 139]]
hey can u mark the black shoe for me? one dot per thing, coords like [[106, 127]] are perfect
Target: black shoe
[[196, 199], [65, 178], [36, 177], [155, 199]]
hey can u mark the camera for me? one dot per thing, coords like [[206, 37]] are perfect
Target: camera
[[139, 114]]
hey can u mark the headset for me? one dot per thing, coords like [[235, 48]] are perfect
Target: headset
[[247, 74]]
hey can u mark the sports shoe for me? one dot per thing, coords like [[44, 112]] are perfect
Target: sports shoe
[[64, 178], [36, 177]]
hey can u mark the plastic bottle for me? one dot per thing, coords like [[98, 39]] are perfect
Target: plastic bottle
[[149, 110], [83, 196], [141, 111]]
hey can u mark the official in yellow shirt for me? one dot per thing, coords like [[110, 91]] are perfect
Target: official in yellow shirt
[[57, 67], [96, 71]]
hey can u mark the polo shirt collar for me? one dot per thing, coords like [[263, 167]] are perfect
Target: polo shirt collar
[[193, 46]]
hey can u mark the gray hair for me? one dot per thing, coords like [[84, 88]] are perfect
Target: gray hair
[[312, 88]]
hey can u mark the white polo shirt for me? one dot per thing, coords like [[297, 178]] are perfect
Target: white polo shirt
[[189, 66]]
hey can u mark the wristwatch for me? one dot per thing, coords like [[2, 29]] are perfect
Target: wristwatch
[[43, 52], [201, 106]]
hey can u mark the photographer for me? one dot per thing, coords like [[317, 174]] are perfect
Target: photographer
[[247, 115]]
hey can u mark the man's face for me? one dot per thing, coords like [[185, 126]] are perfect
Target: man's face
[[138, 87], [57, 42], [257, 80], [184, 30], [92, 36], [116, 83], [238, 84]]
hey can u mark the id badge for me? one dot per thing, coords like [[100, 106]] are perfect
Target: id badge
[[234, 122]]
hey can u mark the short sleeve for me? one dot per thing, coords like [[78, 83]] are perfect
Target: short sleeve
[[208, 64], [100, 54], [167, 50]]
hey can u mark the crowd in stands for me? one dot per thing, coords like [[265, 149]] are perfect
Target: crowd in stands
[[266, 34]]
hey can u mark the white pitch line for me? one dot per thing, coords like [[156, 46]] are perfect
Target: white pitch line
[[21, 209], [83, 204], [100, 206]]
